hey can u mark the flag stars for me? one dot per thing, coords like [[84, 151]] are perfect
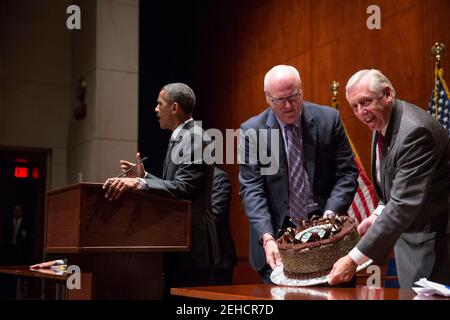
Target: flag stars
[[439, 103]]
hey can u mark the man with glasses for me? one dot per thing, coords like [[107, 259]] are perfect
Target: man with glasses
[[316, 173], [410, 172]]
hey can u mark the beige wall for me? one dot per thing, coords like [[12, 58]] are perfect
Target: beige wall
[[34, 78], [40, 63], [105, 53]]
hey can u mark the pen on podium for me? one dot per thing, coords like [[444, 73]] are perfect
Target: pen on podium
[[132, 168]]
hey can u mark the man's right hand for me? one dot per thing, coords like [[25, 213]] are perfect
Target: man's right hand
[[273, 258], [138, 172]]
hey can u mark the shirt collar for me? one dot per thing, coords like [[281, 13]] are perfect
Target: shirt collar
[[297, 123], [178, 129], [383, 131]]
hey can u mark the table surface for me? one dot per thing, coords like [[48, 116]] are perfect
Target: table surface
[[24, 271], [271, 292]]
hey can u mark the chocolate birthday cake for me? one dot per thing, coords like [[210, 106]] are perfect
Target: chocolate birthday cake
[[310, 250]]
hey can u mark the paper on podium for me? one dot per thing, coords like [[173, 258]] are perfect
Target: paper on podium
[[431, 288]]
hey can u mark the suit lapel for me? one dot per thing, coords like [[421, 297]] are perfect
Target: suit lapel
[[272, 124], [390, 138], [309, 130], [388, 143], [391, 133], [374, 166], [167, 161]]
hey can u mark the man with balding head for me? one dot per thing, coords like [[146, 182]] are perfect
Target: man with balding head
[[315, 172], [410, 173]]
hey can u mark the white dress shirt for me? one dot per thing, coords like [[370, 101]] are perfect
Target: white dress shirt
[[357, 256]]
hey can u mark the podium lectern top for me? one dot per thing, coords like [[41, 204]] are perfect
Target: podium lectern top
[[80, 219]]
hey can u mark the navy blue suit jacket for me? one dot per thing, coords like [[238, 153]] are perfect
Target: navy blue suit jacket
[[329, 164]]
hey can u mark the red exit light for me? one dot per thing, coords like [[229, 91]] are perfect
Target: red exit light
[[21, 172], [21, 160], [35, 173]]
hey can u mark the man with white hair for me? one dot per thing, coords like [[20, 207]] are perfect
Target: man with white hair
[[410, 172], [316, 173]]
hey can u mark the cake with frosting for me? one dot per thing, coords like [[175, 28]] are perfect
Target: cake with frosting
[[311, 249]]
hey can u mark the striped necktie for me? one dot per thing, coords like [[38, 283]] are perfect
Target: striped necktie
[[299, 189]]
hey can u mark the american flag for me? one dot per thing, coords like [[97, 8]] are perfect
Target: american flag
[[365, 200], [439, 103]]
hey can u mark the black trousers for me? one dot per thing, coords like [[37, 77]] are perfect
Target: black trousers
[[222, 276]]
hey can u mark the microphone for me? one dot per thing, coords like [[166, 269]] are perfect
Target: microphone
[[132, 168]]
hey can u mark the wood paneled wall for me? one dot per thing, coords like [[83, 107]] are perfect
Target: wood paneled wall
[[326, 40]]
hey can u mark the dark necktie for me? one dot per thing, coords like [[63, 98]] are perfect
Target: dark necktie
[[299, 189], [167, 160]]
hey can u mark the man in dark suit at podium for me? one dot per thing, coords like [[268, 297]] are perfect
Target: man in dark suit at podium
[[185, 176]]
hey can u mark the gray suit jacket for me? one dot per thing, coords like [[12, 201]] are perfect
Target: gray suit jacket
[[415, 189], [329, 164], [191, 180]]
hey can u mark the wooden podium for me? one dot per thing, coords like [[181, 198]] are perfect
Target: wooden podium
[[121, 243]]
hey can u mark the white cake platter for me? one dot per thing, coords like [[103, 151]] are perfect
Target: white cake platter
[[278, 277]]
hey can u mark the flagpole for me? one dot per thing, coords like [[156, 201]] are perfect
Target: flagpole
[[334, 91], [437, 52], [334, 87], [364, 201]]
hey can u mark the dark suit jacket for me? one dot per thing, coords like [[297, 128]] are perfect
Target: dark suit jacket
[[415, 189], [191, 179], [221, 197], [21, 252], [329, 164], [23, 233]]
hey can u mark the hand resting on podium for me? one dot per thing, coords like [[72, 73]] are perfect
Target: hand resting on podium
[[115, 187]]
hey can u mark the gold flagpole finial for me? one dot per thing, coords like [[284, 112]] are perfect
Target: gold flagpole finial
[[334, 91], [438, 51], [334, 88]]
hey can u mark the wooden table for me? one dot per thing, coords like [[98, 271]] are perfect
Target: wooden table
[[21, 272], [61, 291], [271, 292], [24, 271]]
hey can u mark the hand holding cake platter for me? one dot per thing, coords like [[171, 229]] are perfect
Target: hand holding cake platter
[[309, 251]]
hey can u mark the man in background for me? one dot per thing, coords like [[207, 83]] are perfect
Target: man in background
[[221, 198], [18, 237]]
